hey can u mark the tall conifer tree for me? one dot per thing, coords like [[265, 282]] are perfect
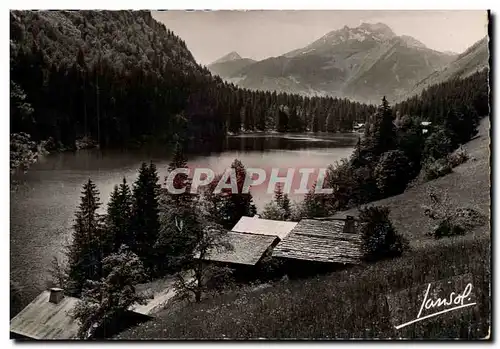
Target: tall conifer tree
[[85, 252], [118, 218], [145, 219], [235, 205]]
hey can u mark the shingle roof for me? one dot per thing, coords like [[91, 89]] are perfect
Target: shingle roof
[[42, 319], [321, 241], [247, 248], [256, 225]]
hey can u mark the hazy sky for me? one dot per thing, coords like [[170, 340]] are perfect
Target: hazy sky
[[261, 34]]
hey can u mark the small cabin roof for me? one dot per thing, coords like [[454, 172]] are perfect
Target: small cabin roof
[[255, 225], [321, 241], [247, 249], [42, 319]]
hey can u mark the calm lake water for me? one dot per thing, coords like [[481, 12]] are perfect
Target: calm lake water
[[42, 208]]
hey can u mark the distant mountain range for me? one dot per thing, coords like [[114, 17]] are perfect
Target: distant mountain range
[[229, 64], [362, 63]]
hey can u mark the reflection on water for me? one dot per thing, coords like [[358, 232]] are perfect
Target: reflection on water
[[42, 208]]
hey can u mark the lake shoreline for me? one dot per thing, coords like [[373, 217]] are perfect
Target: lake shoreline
[[43, 208]]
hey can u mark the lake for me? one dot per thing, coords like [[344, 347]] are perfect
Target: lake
[[42, 208]]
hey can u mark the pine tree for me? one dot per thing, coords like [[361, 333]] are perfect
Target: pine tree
[[85, 252], [314, 122], [179, 160], [173, 244], [282, 201], [181, 180], [232, 206], [119, 215], [313, 204], [384, 131], [380, 137], [281, 120], [330, 122], [145, 215]]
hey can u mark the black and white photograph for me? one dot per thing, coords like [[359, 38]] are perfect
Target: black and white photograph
[[248, 174]]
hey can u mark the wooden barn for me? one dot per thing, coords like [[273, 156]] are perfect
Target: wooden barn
[[252, 238], [49, 317], [248, 249], [320, 245]]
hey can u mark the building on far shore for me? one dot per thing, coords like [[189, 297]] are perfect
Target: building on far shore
[[359, 127]]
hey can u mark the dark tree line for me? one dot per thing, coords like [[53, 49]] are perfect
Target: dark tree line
[[470, 94], [121, 77]]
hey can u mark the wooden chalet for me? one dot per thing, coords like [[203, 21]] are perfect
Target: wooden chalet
[[247, 249], [47, 317], [50, 317], [251, 238], [322, 241]]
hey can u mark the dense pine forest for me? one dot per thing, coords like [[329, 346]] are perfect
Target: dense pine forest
[[121, 78], [469, 96]]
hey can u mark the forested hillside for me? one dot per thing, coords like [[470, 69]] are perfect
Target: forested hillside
[[474, 59], [121, 78], [469, 96]]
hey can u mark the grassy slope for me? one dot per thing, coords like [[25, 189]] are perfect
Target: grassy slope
[[351, 303]]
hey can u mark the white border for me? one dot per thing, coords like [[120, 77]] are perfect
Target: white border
[[254, 4]]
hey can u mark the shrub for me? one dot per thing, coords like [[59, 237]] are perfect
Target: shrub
[[342, 179], [272, 211], [436, 168], [447, 227], [438, 145], [270, 268], [392, 172], [23, 152], [218, 279], [450, 221], [458, 157], [380, 239]]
